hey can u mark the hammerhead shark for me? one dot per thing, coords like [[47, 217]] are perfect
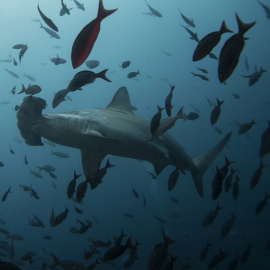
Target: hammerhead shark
[[115, 130]]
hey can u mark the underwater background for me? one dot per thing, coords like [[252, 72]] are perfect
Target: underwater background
[[130, 34]]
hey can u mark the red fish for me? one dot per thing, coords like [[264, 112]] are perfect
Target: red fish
[[86, 39]]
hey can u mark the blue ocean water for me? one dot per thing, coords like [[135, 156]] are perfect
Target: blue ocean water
[[130, 34]]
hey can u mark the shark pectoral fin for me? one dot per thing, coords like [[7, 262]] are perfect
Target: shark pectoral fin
[[159, 168], [91, 162]]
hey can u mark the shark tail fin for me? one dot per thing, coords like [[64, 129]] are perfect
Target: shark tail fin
[[30, 113], [203, 162]]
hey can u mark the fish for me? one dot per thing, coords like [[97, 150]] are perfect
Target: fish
[[190, 22], [209, 42], [133, 74], [159, 254], [47, 237], [18, 46], [235, 190], [244, 128], [48, 21], [29, 77], [30, 90], [144, 201], [11, 151], [192, 116], [92, 64], [218, 258], [228, 180], [235, 95], [194, 36], [153, 11], [173, 178], [22, 52], [234, 263], [253, 78], [261, 205], [245, 256], [14, 62], [166, 53], [50, 32], [128, 215], [135, 193], [52, 175], [13, 74], [217, 184], [86, 77], [46, 168], [116, 251], [81, 190], [64, 8], [231, 50], [213, 56], [227, 226], [86, 39], [60, 154], [6, 194], [125, 64], [56, 220], [161, 220], [107, 137], [211, 216], [266, 9], [84, 227], [168, 101], [204, 71], [165, 124], [34, 194], [72, 185], [246, 61], [6, 61], [78, 210], [41, 224], [204, 251], [265, 142], [59, 97], [152, 175], [1, 164], [200, 76], [13, 91], [36, 174], [79, 5], [216, 112], [58, 61], [155, 121]]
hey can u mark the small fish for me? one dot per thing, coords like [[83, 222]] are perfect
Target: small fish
[[244, 128], [135, 193], [13, 91], [133, 74], [86, 39], [13, 74], [173, 178], [168, 101], [65, 9], [227, 226], [200, 76], [18, 46], [202, 70], [253, 78], [59, 97], [30, 90], [156, 121], [52, 175], [204, 251], [47, 237], [14, 62], [209, 42], [211, 216], [25, 160], [78, 210], [144, 201], [246, 62], [266, 9], [161, 220], [261, 205], [153, 176], [235, 95], [1, 164], [125, 64], [231, 51], [56, 220], [60, 154], [193, 116], [217, 259], [154, 11], [128, 215], [235, 190], [79, 5], [211, 55], [11, 151], [92, 64], [194, 36], [216, 112], [190, 22], [6, 194], [6, 61], [166, 53], [50, 32], [72, 185], [58, 61], [174, 200], [41, 224], [36, 174], [48, 21], [246, 255]]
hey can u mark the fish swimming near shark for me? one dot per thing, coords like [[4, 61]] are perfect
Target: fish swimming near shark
[[114, 130]]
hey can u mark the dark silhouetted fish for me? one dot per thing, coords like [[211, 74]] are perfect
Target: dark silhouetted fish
[[244, 128], [50, 32], [60, 154], [125, 64], [161, 220], [211, 55], [56, 220], [72, 185], [193, 116], [194, 36], [144, 201], [255, 179], [168, 101], [135, 193], [216, 112], [235, 95], [253, 78], [266, 9], [6, 194], [245, 256], [128, 215], [246, 63], [13, 74], [92, 64], [59, 97], [58, 61], [203, 70], [211, 216], [231, 51], [78, 210], [30, 90], [65, 9], [190, 22], [209, 42], [217, 184], [153, 11], [86, 39], [18, 46], [48, 21], [14, 62], [79, 5], [204, 251], [155, 121], [261, 205], [228, 180], [227, 226], [133, 74], [217, 259], [200, 76]]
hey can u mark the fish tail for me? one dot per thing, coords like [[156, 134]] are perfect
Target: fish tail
[[181, 114], [224, 29], [138, 72], [194, 75], [219, 102], [108, 164], [243, 27], [76, 176], [23, 89], [102, 75], [228, 162], [102, 12], [262, 70], [129, 243], [56, 261], [203, 162]]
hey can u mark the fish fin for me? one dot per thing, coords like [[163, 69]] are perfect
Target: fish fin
[[159, 168], [102, 75], [243, 27], [56, 261], [224, 28], [102, 12], [121, 101], [203, 162], [91, 162]]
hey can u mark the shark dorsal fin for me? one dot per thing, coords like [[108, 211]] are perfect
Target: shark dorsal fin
[[121, 101]]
